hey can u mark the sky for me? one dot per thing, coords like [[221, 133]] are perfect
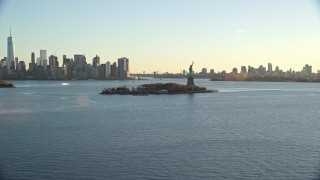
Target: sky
[[167, 35]]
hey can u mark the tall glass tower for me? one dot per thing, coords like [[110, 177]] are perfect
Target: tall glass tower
[[43, 57], [10, 55]]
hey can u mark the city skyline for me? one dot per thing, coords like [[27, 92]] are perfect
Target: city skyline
[[168, 35], [43, 60]]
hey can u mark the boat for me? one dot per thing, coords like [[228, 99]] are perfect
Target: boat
[[162, 91]]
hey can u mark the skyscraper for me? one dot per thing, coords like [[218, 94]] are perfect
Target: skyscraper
[[235, 70], [16, 63], [307, 70], [33, 60], [53, 64], [108, 69], [80, 67], [80, 59], [38, 61], [10, 53], [127, 65], [123, 68], [43, 57], [269, 68], [96, 61], [204, 71], [53, 61], [244, 69], [113, 70], [67, 61]]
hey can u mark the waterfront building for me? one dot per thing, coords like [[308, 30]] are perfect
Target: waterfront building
[[3, 68], [235, 71], [184, 72], [80, 67], [113, 70], [21, 69], [108, 69], [16, 61], [10, 53], [251, 71], [31, 69], [45, 63], [127, 66], [53, 61], [38, 61], [93, 72], [102, 71], [243, 69], [277, 70], [307, 70], [80, 59], [204, 71], [68, 71], [269, 68], [289, 73], [123, 68], [262, 71], [95, 68], [33, 59], [3, 62], [53, 65], [43, 57], [66, 60], [96, 61]]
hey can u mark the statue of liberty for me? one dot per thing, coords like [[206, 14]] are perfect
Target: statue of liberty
[[190, 83], [191, 70]]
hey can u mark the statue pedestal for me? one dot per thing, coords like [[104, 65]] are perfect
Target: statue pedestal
[[190, 83]]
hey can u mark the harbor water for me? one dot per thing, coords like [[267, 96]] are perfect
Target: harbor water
[[249, 130]]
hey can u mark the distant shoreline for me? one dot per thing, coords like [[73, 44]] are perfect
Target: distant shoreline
[[76, 80], [289, 81], [298, 80]]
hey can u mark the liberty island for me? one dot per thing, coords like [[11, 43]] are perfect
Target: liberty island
[[159, 88]]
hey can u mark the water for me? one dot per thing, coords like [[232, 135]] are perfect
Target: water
[[249, 130]]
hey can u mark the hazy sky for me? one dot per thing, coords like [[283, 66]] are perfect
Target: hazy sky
[[167, 35]]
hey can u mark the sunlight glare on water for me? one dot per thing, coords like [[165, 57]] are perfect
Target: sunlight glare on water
[[64, 84]]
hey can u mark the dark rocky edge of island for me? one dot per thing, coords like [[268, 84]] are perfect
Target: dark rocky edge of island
[[4, 84], [158, 88]]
